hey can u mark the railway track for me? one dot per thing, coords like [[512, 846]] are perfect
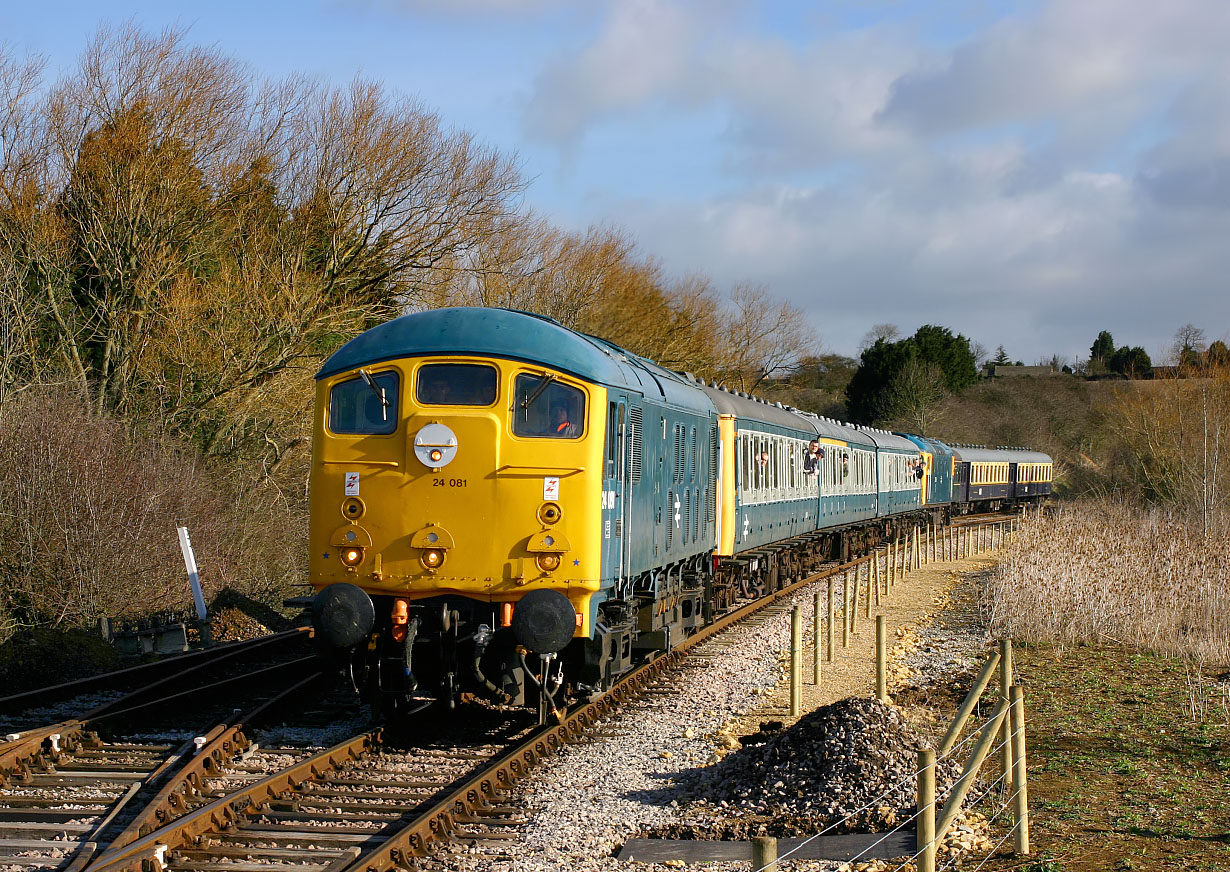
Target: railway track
[[29, 709], [69, 786], [362, 805]]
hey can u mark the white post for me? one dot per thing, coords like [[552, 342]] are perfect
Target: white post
[[194, 581]]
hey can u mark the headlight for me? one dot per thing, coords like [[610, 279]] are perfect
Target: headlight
[[550, 513], [548, 562], [435, 446], [352, 556], [432, 558]]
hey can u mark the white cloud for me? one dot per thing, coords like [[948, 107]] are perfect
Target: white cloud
[[643, 53], [1064, 170]]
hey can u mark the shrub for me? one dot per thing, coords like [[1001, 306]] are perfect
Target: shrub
[[88, 514]]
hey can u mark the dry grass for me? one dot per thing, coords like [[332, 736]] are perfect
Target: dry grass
[[1096, 572]]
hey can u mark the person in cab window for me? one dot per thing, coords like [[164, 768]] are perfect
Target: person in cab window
[[561, 424]]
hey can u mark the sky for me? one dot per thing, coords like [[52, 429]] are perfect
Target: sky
[[1024, 173]]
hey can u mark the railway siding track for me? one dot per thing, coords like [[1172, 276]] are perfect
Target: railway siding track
[[66, 790], [122, 684], [58, 812], [322, 811]]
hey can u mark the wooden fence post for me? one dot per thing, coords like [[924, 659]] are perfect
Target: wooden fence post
[[1021, 797], [924, 843], [828, 627], [796, 666], [764, 854], [1005, 696], [817, 624], [881, 659], [867, 606], [845, 612], [875, 573], [853, 599]]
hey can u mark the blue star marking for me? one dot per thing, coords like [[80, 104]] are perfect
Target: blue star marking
[[576, 562], [326, 555]]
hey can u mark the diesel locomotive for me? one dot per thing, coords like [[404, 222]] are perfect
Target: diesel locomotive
[[506, 508]]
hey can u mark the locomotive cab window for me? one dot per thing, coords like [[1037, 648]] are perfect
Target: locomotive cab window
[[545, 407], [365, 406], [455, 384]]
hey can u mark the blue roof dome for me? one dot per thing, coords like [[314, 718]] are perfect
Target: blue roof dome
[[485, 332]]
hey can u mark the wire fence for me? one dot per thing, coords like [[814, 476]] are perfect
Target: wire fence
[[1000, 736]]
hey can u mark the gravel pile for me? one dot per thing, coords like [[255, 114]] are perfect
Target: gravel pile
[[851, 764]]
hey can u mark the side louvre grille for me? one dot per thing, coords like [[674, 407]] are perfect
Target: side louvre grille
[[670, 518], [679, 454], [637, 419]]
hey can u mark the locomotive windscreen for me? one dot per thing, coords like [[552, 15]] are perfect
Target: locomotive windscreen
[[456, 384], [357, 408]]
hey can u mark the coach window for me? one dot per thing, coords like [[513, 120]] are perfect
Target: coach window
[[761, 462], [365, 406], [741, 453], [775, 455], [545, 407], [455, 384]]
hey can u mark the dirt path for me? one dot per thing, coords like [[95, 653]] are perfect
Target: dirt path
[[935, 641]]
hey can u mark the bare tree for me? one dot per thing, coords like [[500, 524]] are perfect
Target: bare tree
[[1188, 345], [763, 337], [879, 333], [190, 234], [20, 157]]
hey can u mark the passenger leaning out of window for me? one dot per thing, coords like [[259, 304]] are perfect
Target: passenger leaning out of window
[[812, 457]]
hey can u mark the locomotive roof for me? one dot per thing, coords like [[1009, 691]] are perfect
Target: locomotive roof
[[968, 454], [514, 335], [935, 446]]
